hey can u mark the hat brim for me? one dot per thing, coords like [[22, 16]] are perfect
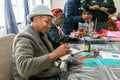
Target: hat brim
[[32, 15]]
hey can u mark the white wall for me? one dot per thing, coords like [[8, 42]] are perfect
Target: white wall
[[58, 4], [117, 4]]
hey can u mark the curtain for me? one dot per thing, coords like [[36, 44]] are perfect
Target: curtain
[[10, 20], [26, 10], [42, 1]]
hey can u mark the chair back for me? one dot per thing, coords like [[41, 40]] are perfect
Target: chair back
[[6, 43]]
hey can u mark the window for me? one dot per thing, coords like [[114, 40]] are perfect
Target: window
[[18, 9]]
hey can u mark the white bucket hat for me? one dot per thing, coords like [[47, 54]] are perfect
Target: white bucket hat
[[39, 10]]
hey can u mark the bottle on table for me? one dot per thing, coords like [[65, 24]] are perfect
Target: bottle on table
[[86, 46]]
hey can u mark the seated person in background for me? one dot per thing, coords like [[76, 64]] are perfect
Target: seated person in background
[[33, 54], [55, 32]]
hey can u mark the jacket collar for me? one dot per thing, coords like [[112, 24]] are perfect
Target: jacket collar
[[43, 36]]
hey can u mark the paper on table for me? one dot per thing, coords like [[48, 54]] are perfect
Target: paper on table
[[113, 34], [64, 57], [109, 55], [73, 51]]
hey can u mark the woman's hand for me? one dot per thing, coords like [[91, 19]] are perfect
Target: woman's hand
[[62, 50]]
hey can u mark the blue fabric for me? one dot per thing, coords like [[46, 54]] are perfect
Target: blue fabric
[[26, 8], [91, 62], [72, 16], [10, 20], [42, 1], [98, 61]]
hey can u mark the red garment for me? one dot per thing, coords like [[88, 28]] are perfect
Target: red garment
[[57, 12], [103, 32]]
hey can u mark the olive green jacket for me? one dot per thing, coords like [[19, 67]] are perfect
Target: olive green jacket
[[30, 56]]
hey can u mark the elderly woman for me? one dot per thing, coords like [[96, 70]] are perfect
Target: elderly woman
[[34, 58]]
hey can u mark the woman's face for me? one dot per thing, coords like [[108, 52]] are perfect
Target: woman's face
[[44, 23]]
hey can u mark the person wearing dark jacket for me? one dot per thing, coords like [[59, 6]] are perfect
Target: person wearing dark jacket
[[55, 33], [100, 9], [72, 16]]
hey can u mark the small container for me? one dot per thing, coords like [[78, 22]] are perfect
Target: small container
[[86, 46]]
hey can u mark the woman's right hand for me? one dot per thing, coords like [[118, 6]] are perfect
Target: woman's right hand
[[62, 50]]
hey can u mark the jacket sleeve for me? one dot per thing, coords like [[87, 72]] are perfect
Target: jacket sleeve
[[55, 36], [86, 4], [110, 5], [69, 12], [28, 65], [111, 8]]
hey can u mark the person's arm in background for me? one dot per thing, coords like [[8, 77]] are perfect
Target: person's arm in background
[[89, 5], [108, 7], [55, 36], [85, 5], [71, 14]]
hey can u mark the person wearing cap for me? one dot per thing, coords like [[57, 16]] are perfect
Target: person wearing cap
[[73, 15], [33, 54], [55, 33]]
